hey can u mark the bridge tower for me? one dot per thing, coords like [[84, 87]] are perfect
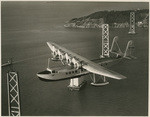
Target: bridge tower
[[105, 41], [132, 23], [13, 94]]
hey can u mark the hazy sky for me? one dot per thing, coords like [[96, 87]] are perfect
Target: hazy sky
[[90, 7], [73, 9]]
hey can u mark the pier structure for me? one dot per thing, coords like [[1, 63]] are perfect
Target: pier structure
[[76, 83], [132, 23], [105, 41], [13, 94]]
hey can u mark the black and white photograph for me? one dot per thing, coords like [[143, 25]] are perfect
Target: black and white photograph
[[74, 58]]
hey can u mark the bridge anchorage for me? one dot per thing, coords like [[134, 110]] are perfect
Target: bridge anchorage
[[132, 23]]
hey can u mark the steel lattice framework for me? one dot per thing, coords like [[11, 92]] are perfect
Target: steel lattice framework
[[132, 23], [105, 40], [13, 94]]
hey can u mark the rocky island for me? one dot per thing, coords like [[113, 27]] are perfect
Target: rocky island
[[115, 19]]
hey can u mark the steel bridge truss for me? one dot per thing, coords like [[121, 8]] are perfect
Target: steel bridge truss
[[132, 23], [13, 94], [105, 40]]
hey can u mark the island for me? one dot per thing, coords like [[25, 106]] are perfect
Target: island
[[115, 19]]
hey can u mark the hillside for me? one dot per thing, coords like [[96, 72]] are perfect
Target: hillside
[[113, 18]]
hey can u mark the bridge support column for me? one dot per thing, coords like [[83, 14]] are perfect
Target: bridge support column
[[76, 83], [132, 23], [105, 41], [13, 94]]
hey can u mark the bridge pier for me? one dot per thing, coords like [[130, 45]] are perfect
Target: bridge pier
[[76, 83]]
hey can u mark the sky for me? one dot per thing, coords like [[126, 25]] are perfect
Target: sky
[[90, 7], [71, 8]]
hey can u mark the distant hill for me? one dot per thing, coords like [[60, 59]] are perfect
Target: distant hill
[[113, 18]]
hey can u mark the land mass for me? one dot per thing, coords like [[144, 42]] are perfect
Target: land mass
[[116, 19]]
